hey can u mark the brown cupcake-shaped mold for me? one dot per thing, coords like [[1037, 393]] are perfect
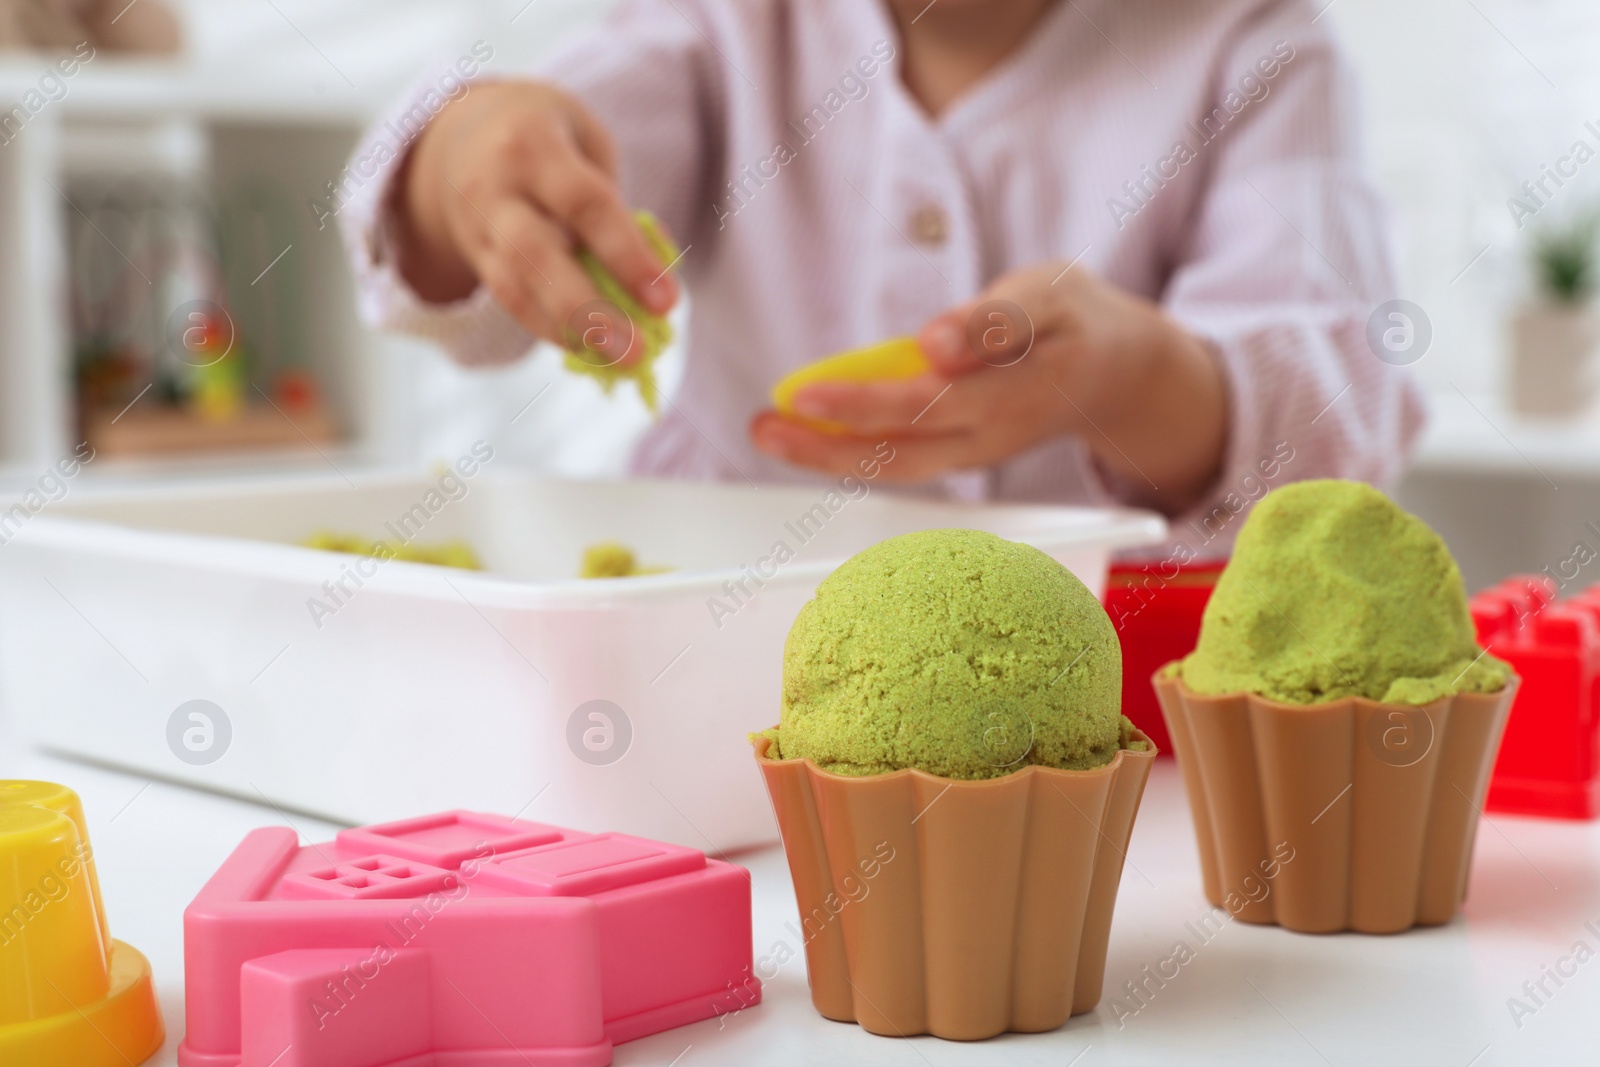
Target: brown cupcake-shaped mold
[[1379, 802], [961, 909]]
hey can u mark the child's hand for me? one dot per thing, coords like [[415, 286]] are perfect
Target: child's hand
[[502, 188], [1045, 352]]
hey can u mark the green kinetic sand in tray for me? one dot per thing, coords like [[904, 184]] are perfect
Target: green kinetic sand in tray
[[955, 652], [1333, 592], [613, 559], [456, 554], [655, 332]]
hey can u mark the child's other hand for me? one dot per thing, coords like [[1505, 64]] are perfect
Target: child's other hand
[[502, 188], [1046, 351]]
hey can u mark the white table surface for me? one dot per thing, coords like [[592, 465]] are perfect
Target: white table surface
[[1251, 995]]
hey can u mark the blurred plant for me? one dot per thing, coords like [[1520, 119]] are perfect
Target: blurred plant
[[1564, 259]]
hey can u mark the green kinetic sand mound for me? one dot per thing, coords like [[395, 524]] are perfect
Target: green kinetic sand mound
[[1332, 592], [655, 332], [955, 652]]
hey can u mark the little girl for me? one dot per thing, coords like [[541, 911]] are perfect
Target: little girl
[[1133, 238]]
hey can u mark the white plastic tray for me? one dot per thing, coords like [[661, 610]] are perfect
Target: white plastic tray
[[431, 688]]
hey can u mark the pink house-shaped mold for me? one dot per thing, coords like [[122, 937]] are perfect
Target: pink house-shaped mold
[[458, 940]]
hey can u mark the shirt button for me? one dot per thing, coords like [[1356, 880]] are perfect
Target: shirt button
[[930, 225]]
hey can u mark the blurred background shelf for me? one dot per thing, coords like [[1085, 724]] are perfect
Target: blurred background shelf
[[1480, 434], [154, 433], [1510, 494], [239, 138], [113, 87]]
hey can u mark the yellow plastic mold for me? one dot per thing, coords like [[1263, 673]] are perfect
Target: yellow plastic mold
[[69, 994], [887, 361]]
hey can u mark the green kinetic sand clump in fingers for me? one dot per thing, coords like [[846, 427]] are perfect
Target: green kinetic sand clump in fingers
[[654, 331]]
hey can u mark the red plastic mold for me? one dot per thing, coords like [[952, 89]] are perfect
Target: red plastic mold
[[1548, 759], [1157, 618], [458, 940]]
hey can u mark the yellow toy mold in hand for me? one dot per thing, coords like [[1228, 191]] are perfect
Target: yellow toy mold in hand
[[892, 360]]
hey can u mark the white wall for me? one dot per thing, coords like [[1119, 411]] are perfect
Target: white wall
[[1459, 114]]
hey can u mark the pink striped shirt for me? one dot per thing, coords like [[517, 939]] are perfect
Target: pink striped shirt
[[1202, 154]]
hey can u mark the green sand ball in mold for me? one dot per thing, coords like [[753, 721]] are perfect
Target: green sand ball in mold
[[655, 332], [955, 652], [1332, 592]]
